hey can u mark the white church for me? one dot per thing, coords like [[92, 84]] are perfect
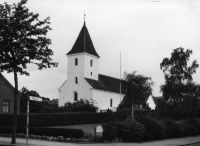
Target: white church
[[84, 80]]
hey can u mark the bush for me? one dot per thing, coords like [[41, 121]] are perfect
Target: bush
[[43, 132], [111, 131], [155, 129], [132, 131]]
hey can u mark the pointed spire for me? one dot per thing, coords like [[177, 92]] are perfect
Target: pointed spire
[[83, 43]]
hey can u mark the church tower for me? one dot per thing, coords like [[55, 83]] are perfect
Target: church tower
[[83, 60]]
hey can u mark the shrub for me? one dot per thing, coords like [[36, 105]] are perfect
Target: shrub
[[132, 131], [111, 131], [155, 129]]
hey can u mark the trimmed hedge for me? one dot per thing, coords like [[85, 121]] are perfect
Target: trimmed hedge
[[53, 119], [67, 133]]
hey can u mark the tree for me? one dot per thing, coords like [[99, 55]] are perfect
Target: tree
[[45, 106], [139, 88], [179, 90], [23, 41]]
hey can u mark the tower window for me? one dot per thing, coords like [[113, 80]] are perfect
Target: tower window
[[111, 102], [75, 96], [76, 80], [91, 73], [91, 62], [6, 106], [76, 61]]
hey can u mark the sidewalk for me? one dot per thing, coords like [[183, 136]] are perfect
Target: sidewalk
[[169, 142]]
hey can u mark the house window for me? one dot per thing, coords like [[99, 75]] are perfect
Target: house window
[[111, 102], [75, 96], [76, 80], [6, 106], [91, 62], [76, 61]]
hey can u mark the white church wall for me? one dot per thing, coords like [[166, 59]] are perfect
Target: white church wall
[[66, 92], [75, 70], [91, 71], [103, 99]]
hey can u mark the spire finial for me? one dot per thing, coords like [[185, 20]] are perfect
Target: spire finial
[[84, 16]]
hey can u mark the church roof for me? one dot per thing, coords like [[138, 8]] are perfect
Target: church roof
[[108, 83], [83, 43]]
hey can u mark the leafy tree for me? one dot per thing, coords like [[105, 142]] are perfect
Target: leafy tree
[[23, 41], [139, 88], [180, 93], [79, 106], [177, 73]]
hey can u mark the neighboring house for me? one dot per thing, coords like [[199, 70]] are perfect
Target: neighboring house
[[83, 78], [151, 102], [6, 96]]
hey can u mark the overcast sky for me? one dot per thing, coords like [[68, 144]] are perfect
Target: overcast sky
[[144, 31]]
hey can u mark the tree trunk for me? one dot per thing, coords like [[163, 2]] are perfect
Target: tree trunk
[[15, 109]]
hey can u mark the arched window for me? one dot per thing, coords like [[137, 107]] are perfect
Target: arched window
[[91, 73], [75, 96], [76, 80], [76, 61], [91, 62]]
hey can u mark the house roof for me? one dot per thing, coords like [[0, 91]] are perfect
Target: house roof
[[83, 43], [3, 79], [108, 83]]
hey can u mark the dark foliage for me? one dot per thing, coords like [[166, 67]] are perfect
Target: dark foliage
[[81, 105], [54, 119], [67, 133], [111, 131], [132, 131], [155, 129], [139, 88], [45, 106], [173, 129], [180, 94]]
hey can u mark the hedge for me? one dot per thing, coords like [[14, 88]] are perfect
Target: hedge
[[67, 133], [53, 119]]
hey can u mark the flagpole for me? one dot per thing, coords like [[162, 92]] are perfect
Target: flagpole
[[120, 86]]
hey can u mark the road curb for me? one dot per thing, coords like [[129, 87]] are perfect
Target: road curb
[[189, 144]]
